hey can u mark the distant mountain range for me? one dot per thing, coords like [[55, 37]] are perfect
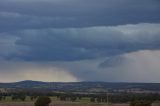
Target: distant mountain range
[[83, 86]]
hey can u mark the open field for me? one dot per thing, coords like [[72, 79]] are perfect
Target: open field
[[85, 101], [156, 104], [17, 104], [59, 104]]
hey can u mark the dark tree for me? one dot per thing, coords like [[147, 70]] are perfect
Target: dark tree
[[92, 99], [22, 97], [33, 97], [140, 103], [15, 97], [1, 98], [63, 98], [79, 97], [99, 100], [73, 98], [42, 101]]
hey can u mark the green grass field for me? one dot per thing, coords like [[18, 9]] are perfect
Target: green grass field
[[53, 98], [84, 101]]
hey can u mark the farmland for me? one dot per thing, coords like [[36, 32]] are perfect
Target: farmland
[[81, 87], [56, 102], [79, 94], [59, 103]]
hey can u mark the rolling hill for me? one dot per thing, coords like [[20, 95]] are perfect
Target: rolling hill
[[83, 86]]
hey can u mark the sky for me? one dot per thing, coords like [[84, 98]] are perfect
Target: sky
[[80, 40]]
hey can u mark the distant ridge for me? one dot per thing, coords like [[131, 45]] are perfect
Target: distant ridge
[[26, 81], [82, 86]]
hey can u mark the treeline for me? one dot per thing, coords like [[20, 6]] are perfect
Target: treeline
[[99, 97], [141, 103], [123, 98], [2, 98], [17, 96]]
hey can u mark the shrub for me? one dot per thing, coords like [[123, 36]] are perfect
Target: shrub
[[140, 103], [42, 101]]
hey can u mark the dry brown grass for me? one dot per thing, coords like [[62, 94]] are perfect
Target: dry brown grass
[[156, 104], [17, 104], [59, 103]]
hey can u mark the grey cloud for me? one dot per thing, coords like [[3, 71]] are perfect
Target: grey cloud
[[114, 62], [7, 45], [103, 40], [85, 43], [12, 71], [37, 14], [141, 66]]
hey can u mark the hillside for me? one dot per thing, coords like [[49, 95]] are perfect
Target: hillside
[[84, 86]]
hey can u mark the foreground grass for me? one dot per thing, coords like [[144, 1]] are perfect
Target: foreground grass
[[84, 101], [53, 98], [59, 103], [9, 99], [157, 103]]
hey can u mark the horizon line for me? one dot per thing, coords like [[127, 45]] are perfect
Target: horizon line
[[76, 81]]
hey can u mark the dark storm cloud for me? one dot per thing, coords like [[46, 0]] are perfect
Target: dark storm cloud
[[80, 40], [84, 43], [113, 61], [31, 14]]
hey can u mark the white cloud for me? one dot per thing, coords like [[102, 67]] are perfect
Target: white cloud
[[141, 66]]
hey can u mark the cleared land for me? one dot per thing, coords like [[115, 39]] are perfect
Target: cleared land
[[59, 104], [55, 102], [156, 104], [85, 101]]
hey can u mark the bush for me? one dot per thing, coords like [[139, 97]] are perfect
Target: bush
[[42, 101], [73, 98], [140, 103], [92, 99]]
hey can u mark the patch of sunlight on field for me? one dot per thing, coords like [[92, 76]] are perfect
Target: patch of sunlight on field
[[119, 104], [84, 100], [54, 98], [28, 99], [8, 99]]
